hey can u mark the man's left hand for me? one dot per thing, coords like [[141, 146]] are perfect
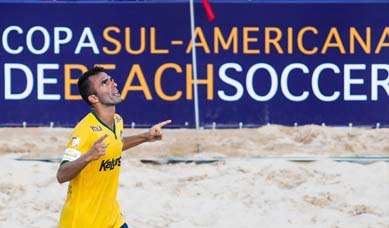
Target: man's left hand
[[155, 132]]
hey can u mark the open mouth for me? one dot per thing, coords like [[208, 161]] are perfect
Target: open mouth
[[116, 93]]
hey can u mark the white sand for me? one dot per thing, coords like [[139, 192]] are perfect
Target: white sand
[[237, 193]]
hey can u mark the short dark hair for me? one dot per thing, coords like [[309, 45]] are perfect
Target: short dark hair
[[84, 84]]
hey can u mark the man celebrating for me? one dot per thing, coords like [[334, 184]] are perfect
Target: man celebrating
[[92, 158]]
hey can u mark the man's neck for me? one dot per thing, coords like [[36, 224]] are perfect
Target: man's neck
[[106, 114]]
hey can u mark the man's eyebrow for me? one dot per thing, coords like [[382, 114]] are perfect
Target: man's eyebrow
[[105, 80]]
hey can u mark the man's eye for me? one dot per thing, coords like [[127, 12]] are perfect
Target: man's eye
[[106, 81]]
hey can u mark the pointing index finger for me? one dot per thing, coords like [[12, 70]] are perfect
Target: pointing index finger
[[102, 138], [164, 123]]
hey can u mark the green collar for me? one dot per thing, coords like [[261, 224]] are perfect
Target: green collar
[[98, 119]]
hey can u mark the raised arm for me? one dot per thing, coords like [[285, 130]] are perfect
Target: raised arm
[[155, 133], [69, 170]]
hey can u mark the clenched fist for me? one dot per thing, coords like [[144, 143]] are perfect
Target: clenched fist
[[98, 149]]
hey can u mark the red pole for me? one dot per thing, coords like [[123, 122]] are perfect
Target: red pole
[[208, 10]]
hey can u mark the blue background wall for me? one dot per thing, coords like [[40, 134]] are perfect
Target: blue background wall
[[266, 38]]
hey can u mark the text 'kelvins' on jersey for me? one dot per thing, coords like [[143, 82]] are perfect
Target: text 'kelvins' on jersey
[[109, 164]]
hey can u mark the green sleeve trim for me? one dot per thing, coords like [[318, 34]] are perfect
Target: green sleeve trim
[[63, 162]]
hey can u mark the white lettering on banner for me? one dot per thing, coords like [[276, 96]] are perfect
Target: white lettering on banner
[[223, 76], [57, 37], [19, 82], [41, 81], [315, 82], [38, 40], [8, 95], [284, 82], [87, 33], [274, 82], [4, 40], [348, 81], [46, 40], [375, 82]]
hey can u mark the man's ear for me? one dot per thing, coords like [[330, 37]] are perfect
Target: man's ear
[[93, 99]]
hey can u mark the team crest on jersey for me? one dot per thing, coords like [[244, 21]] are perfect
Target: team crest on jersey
[[118, 119], [75, 141], [96, 128]]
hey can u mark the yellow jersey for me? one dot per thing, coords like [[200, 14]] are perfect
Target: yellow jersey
[[91, 198]]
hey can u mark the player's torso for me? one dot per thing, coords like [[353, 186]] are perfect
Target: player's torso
[[92, 194], [100, 172]]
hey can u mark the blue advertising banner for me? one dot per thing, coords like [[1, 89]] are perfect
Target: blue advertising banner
[[257, 63]]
